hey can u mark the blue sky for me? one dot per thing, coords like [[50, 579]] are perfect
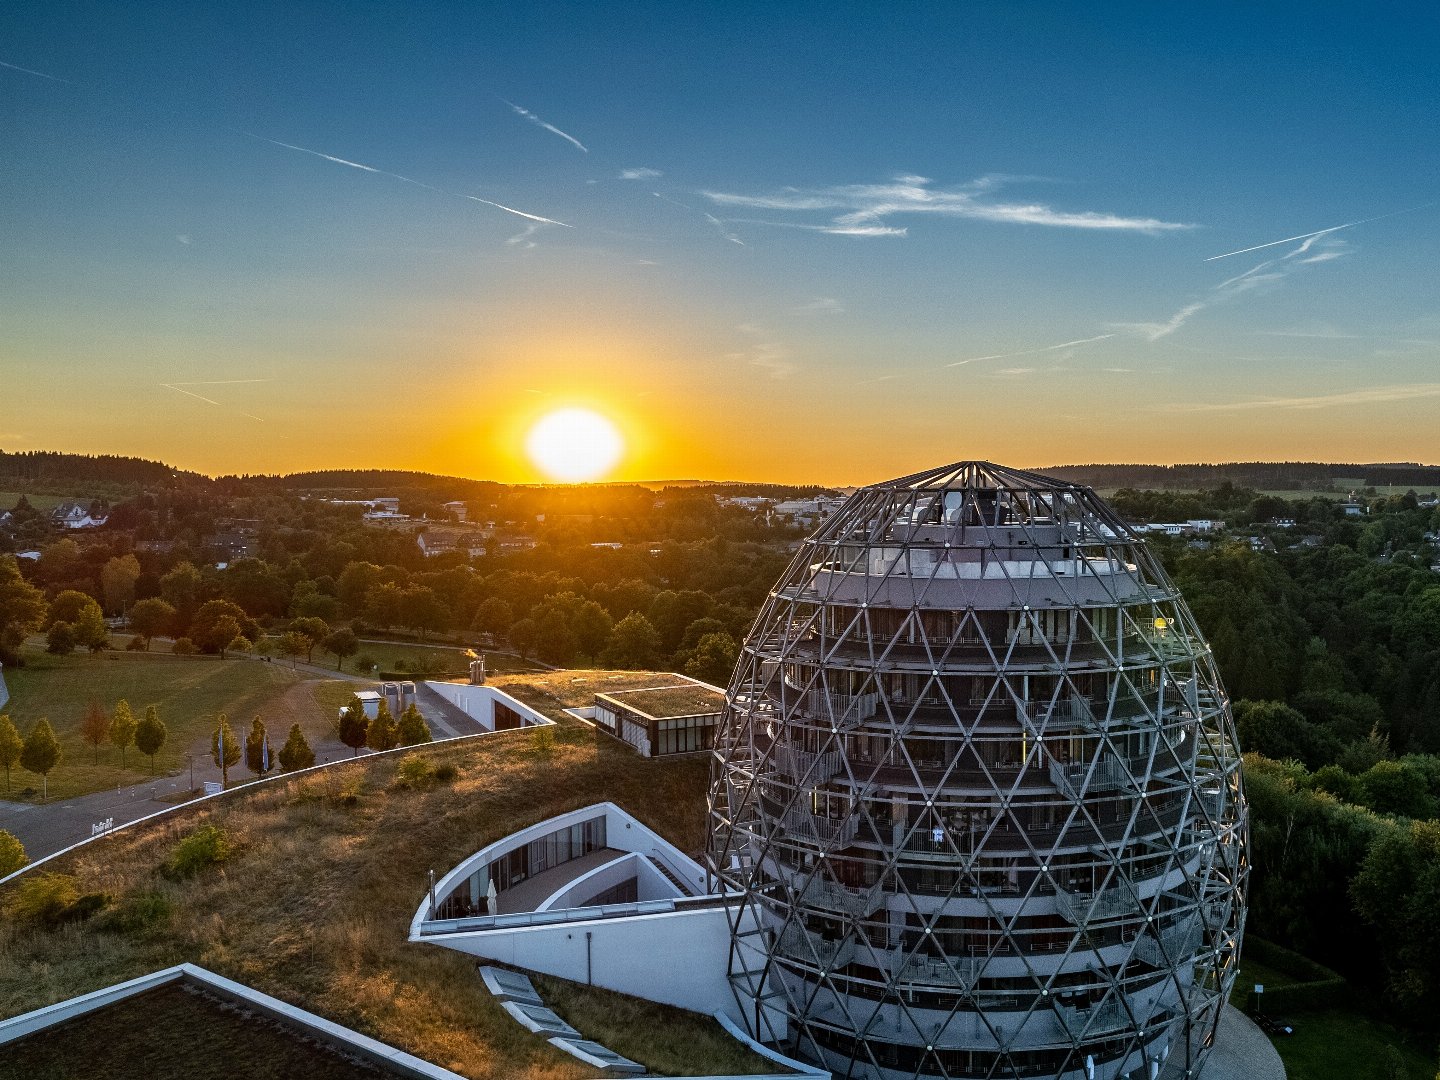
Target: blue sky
[[826, 242]]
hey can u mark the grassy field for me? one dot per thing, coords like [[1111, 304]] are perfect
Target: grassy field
[[189, 694], [8, 499], [395, 657], [1334, 1044], [315, 906]]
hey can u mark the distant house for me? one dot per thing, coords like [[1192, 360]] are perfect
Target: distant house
[[1353, 509], [75, 515], [457, 508], [440, 541]]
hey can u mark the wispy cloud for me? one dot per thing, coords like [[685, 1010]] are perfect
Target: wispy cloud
[[528, 115], [522, 238], [719, 225], [862, 209], [640, 174], [1264, 274], [765, 353], [184, 238], [1370, 395], [32, 71], [821, 305], [408, 180]]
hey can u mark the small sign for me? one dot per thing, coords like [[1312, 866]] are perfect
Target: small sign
[[213, 788], [102, 826], [1259, 988]]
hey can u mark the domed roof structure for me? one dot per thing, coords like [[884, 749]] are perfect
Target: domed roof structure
[[978, 787]]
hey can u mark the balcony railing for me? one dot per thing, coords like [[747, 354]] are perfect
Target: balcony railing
[[804, 765], [940, 971], [843, 709], [1172, 946], [810, 948], [1109, 1015], [820, 893], [1106, 774], [803, 825], [1081, 908]]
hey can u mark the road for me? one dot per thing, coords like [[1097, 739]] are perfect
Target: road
[[47, 828]]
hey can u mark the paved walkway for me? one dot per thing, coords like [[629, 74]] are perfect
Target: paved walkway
[[1241, 1052]]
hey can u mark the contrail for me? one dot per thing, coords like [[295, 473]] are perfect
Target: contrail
[[1321, 232], [217, 382], [212, 401], [1031, 352], [408, 180], [517, 213], [32, 71], [528, 115]]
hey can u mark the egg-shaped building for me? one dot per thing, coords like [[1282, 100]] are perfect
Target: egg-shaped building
[[978, 789]]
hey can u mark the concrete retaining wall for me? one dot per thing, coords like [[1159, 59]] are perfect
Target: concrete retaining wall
[[478, 703]]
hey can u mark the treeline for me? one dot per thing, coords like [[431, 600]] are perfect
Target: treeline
[[43, 466], [1261, 475]]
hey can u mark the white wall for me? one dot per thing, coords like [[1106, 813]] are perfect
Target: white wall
[[478, 703], [676, 958]]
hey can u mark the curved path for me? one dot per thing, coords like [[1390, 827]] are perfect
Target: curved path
[[1242, 1051]]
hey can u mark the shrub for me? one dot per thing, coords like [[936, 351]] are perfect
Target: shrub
[[44, 898], [542, 740], [12, 854], [205, 847], [139, 914], [183, 647], [413, 772], [446, 774]]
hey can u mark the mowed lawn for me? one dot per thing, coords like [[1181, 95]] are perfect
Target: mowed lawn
[[190, 694]]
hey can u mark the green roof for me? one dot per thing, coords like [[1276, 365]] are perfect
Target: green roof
[[660, 702]]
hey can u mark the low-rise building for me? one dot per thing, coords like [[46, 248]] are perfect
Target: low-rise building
[[678, 717]]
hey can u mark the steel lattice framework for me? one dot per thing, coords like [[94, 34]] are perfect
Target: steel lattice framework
[[978, 789]]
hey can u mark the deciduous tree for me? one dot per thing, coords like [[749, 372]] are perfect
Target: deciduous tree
[[314, 631], [223, 737], [151, 616], [95, 727], [122, 728], [340, 644], [11, 744], [150, 735], [117, 582], [41, 753], [22, 608], [633, 644]]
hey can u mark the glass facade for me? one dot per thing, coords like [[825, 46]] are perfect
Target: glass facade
[[524, 862], [977, 782]]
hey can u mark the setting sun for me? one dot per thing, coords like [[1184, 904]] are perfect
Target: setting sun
[[574, 445]]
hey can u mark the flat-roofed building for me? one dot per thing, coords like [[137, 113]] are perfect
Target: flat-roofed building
[[661, 721]]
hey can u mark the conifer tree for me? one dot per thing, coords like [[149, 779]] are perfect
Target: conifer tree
[[354, 725], [255, 749], [232, 748], [41, 753], [150, 735], [122, 728], [11, 744], [384, 733], [296, 753], [413, 729], [95, 727]]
